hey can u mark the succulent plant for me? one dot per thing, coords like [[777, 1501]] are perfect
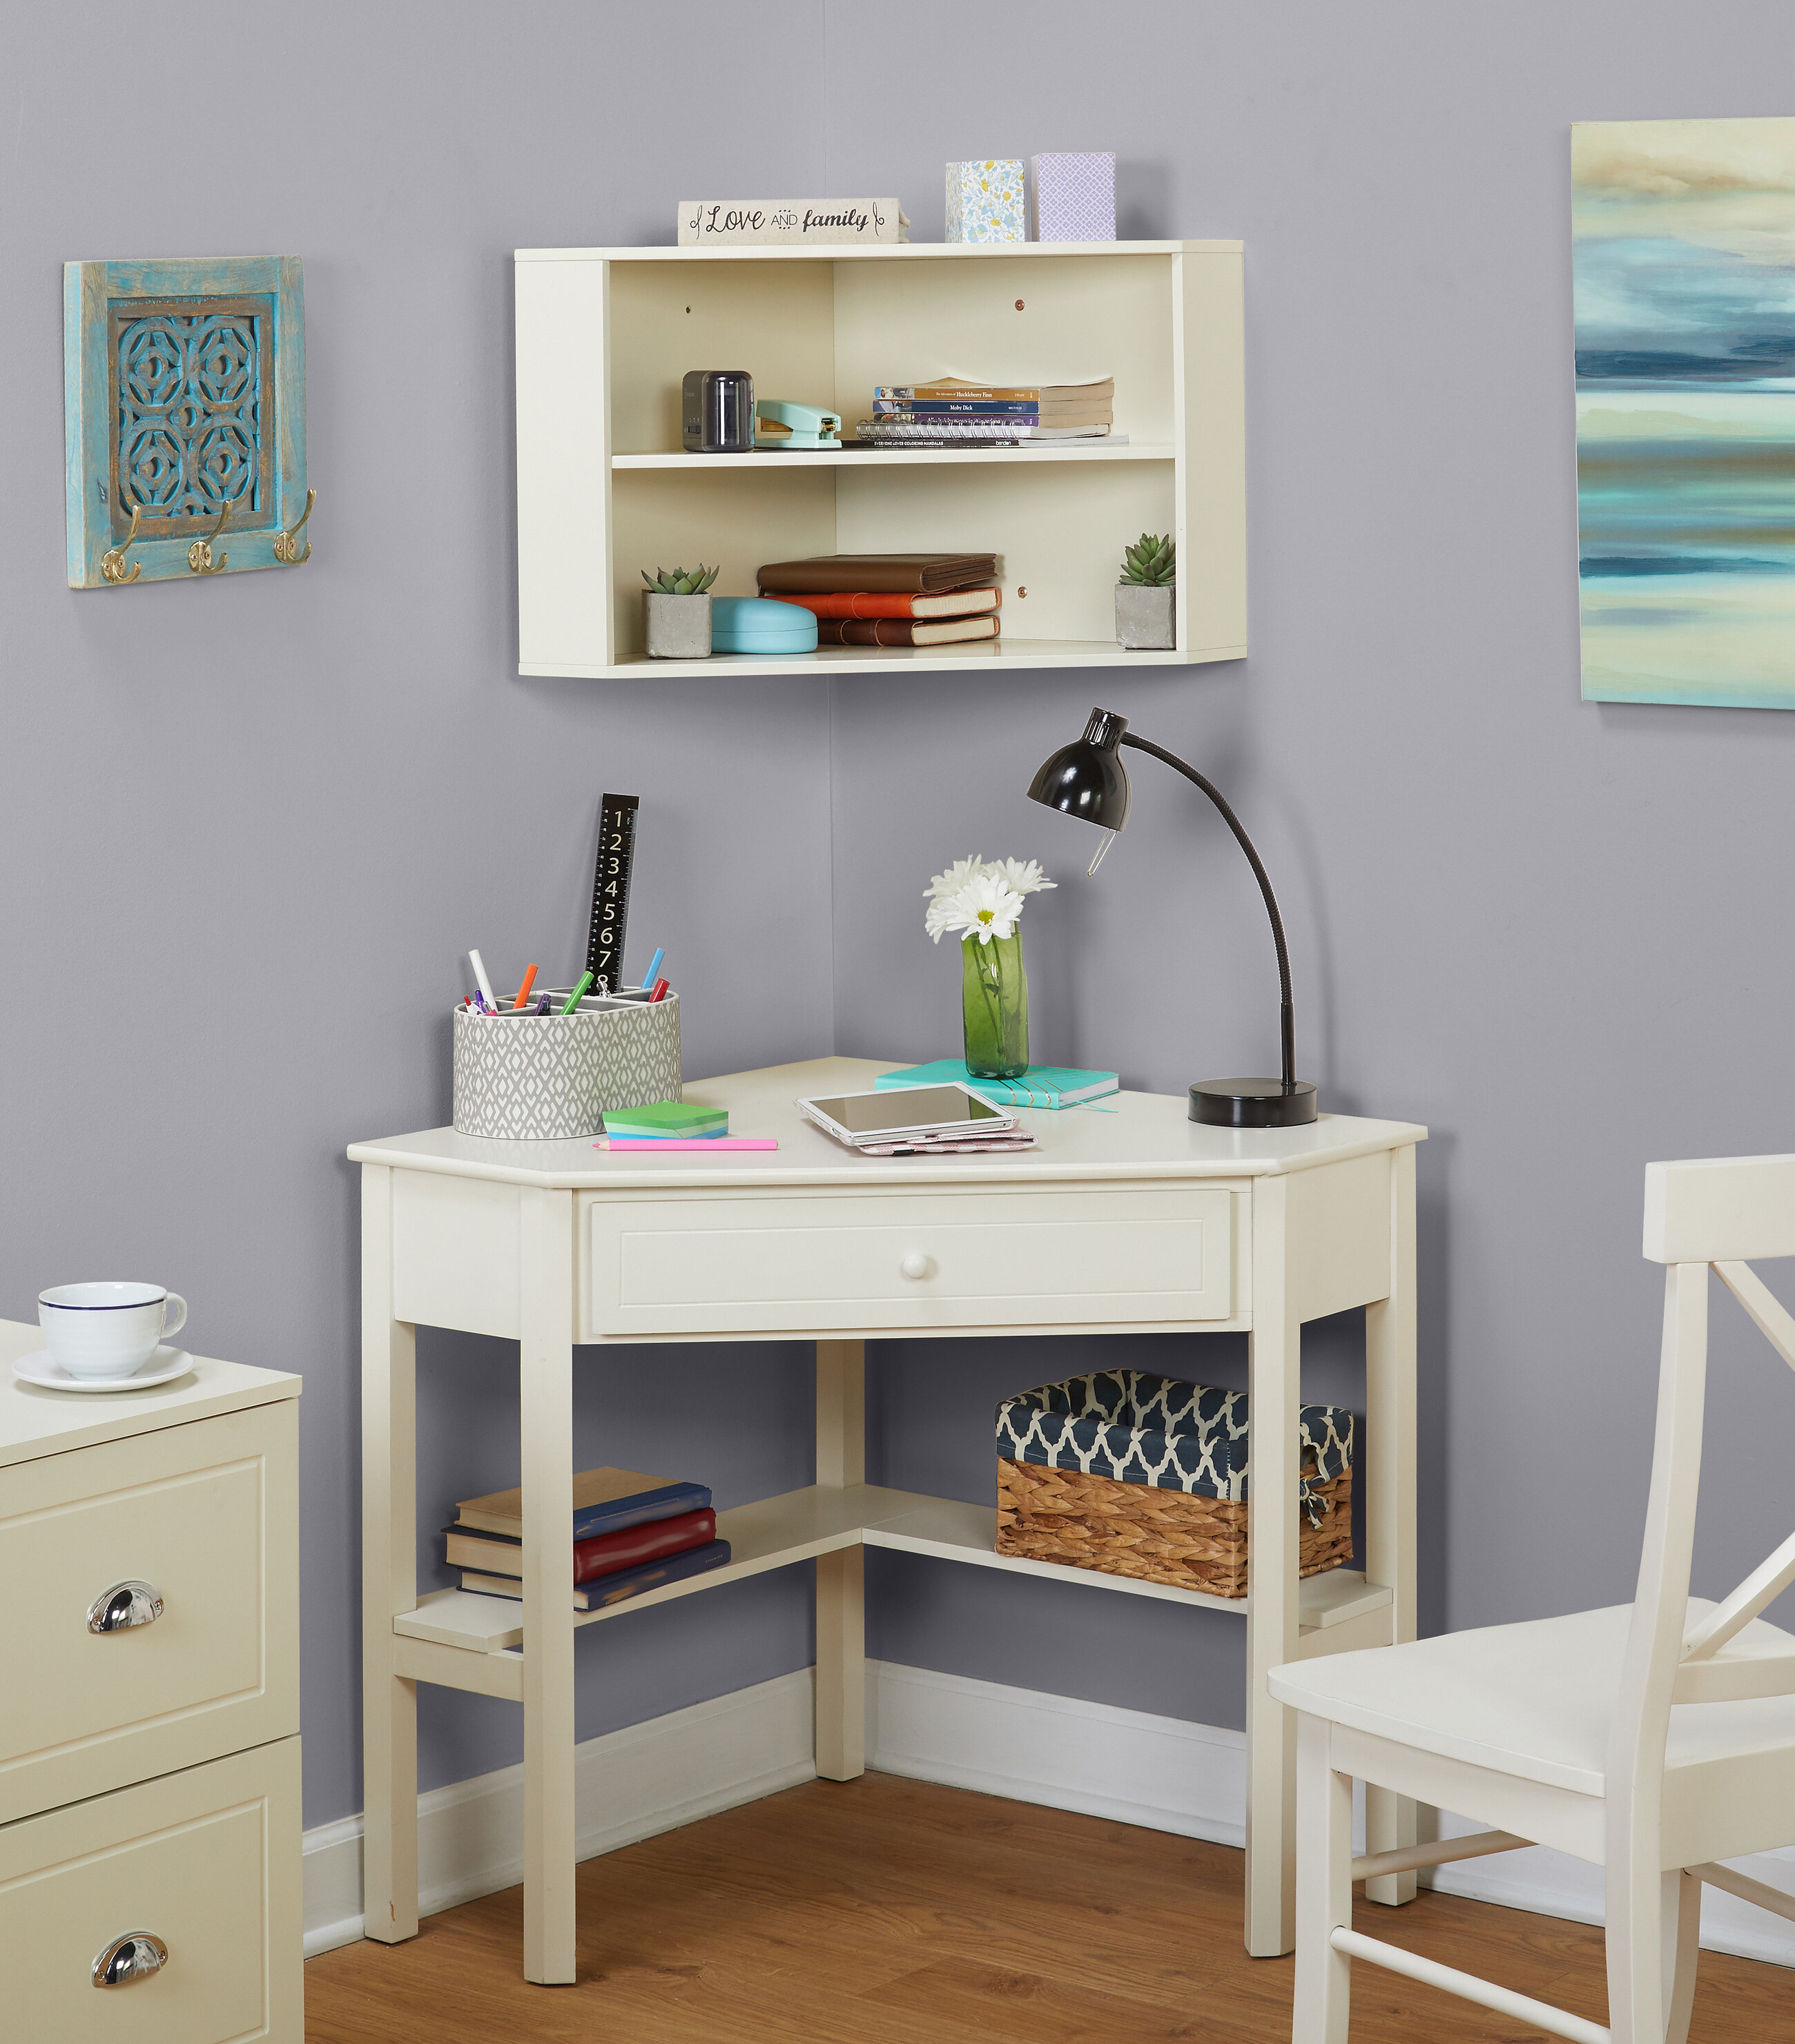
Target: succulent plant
[[679, 582], [1151, 562]]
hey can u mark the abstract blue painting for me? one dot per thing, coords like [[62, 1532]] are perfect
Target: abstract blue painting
[[1683, 238]]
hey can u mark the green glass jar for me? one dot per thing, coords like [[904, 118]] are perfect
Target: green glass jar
[[994, 1001]]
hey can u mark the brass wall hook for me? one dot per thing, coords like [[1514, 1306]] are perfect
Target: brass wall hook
[[287, 543], [199, 554], [111, 561]]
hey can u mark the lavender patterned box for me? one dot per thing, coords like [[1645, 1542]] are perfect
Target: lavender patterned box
[[985, 201], [1072, 197]]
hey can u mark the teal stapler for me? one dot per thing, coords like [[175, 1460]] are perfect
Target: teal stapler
[[778, 423]]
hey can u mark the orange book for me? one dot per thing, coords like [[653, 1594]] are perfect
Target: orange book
[[871, 603]]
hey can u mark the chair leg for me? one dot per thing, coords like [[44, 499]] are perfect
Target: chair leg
[[1324, 1984], [1682, 1952], [1637, 1963]]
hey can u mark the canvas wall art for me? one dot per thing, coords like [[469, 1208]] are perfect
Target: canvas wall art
[[1683, 237]]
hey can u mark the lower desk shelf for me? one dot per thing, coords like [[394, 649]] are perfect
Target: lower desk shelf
[[776, 1531]]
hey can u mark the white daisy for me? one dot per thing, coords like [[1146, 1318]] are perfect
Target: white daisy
[[985, 907], [1020, 878], [955, 878]]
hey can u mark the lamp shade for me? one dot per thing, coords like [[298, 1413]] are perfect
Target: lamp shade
[[1088, 779]]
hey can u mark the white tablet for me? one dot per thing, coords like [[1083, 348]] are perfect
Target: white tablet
[[953, 1109]]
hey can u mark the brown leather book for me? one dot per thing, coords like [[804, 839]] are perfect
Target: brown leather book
[[903, 631], [885, 574]]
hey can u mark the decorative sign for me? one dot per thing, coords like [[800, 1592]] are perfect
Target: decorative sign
[[610, 892], [742, 223]]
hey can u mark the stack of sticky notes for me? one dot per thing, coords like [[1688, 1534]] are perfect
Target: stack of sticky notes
[[666, 1119]]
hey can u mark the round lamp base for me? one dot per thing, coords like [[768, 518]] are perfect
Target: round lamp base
[[1252, 1103]]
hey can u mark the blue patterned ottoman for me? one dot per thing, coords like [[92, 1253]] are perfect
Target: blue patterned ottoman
[[1144, 1476]]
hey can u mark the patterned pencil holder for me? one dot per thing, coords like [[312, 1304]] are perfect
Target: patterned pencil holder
[[546, 1079]]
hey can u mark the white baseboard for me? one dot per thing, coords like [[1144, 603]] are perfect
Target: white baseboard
[[628, 1784], [1164, 1773]]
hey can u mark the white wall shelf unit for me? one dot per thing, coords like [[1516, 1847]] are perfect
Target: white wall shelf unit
[[604, 335]]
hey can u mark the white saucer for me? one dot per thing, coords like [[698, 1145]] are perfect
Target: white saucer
[[163, 1367]]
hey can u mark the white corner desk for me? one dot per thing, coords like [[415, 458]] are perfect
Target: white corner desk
[[1133, 1220]]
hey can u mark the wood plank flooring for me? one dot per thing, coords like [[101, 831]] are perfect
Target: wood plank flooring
[[888, 1911]]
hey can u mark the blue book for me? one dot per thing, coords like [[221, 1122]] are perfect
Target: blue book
[[606, 1590], [605, 1501], [1041, 1086]]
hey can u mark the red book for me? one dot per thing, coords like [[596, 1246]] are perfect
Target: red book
[[903, 631], [606, 1553], [873, 603]]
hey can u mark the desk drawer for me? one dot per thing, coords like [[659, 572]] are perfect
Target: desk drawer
[[206, 1861], [207, 1514], [934, 1258]]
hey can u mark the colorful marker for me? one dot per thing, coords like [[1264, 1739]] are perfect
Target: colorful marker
[[481, 980], [574, 998], [524, 991], [654, 966], [542, 1005], [659, 993]]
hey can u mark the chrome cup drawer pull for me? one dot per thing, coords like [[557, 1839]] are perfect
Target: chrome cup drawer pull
[[134, 1957], [125, 1604]]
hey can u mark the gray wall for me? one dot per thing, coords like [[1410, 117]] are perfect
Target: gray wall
[[252, 825]]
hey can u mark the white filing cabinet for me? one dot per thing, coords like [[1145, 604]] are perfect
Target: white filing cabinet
[[149, 1747]]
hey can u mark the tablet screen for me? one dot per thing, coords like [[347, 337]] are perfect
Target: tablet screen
[[908, 1107]]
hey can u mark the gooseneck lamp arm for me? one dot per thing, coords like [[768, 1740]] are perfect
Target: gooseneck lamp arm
[[1286, 1012], [1088, 780]]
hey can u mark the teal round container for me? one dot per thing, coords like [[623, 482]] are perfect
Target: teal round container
[[757, 624]]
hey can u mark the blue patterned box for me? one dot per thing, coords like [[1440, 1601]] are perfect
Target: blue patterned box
[[985, 201], [1072, 198]]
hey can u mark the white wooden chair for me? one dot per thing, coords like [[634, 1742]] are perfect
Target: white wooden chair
[[1652, 1739]]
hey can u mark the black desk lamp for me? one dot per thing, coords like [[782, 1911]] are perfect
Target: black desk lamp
[[1089, 780]]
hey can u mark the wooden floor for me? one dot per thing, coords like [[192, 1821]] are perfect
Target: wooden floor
[[887, 1911]]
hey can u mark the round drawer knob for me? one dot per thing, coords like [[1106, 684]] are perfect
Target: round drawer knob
[[916, 1265]]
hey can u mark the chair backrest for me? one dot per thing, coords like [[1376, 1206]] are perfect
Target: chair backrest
[[1712, 1214]]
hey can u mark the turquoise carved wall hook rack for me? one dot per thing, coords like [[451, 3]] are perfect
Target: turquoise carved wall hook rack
[[185, 401]]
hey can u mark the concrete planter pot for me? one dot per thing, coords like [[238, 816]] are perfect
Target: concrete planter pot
[[1146, 619], [679, 627]]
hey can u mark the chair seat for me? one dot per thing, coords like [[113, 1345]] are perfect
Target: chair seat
[[1535, 1700]]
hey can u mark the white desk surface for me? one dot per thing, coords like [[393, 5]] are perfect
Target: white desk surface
[[1149, 1135], [36, 1421]]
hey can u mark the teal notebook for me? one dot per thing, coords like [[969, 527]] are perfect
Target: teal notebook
[[1042, 1085]]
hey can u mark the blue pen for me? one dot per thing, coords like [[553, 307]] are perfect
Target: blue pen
[[654, 966]]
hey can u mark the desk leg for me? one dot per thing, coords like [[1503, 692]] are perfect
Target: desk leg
[[1389, 1463], [546, 1399], [841, 1622], [1273, 1375], [389, 1580]]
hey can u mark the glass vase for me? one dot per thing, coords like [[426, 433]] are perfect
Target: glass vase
[[994, 1001]]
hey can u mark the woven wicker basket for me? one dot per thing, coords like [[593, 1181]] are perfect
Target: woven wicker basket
[[1178, 1537]]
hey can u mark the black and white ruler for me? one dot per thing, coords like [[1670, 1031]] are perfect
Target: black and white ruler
[[610, 892]]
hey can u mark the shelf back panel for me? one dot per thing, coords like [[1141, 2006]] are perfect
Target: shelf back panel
[[774, 319], [1082, 317]]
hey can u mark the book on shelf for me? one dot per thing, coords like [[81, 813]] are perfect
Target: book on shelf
[[891, 575], [888, 430], [502, 1553], [604, 1501], [958, 389], [616, 1589], [1041, 1086], [1024, 412], [873, 603], [904, 631]]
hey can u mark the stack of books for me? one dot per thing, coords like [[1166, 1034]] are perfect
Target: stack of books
[[631, 1533], [1042, 1085], [953, 412], [891, 599]]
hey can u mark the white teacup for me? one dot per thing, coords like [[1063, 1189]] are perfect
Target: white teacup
[[108, 1330]]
